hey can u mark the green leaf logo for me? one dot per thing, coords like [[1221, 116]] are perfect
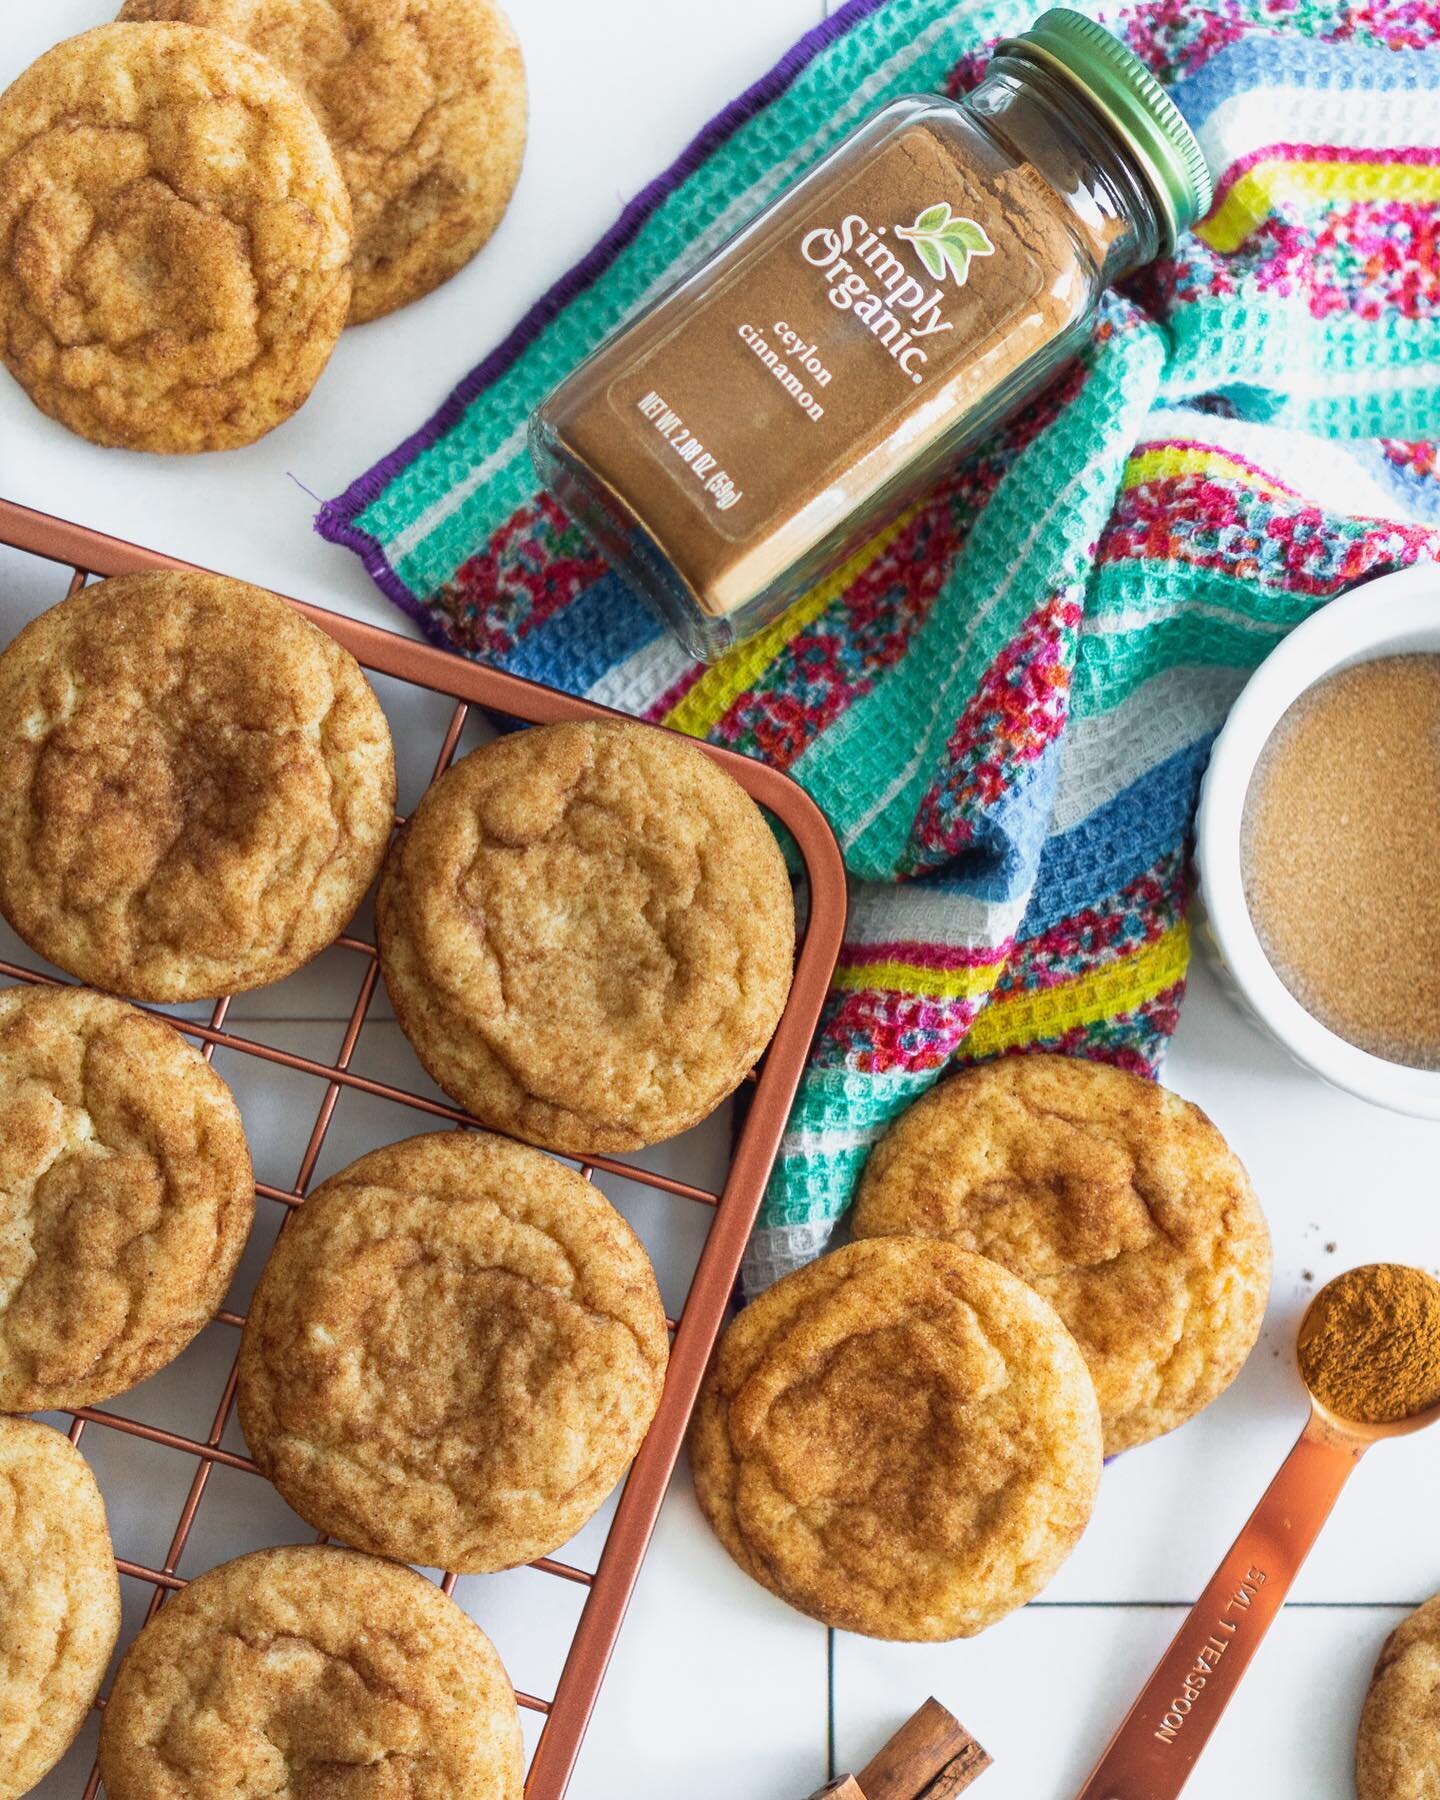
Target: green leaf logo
[[944, 239]]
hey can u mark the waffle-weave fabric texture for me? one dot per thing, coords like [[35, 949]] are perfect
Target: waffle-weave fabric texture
[[1004, 703]]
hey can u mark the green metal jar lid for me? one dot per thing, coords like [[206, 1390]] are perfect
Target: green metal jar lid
[[1143, 116]]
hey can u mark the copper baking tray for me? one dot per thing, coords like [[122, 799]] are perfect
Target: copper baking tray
[[567, 1711]]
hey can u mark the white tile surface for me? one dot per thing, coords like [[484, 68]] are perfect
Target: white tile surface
[[717, 1691], [1043, 1690]]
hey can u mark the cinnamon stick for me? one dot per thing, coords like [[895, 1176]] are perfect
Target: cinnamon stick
[[931, 1757], [843, 1787]]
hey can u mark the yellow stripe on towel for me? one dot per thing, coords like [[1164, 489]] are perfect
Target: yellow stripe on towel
[[1121, 986], [1267, 185], [1172, 460], [916, 978]]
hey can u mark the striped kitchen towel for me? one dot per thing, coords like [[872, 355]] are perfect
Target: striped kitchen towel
[[1005, 702]]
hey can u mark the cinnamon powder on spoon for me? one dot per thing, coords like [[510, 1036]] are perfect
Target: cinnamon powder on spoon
[[1340, 855], [1370, 1344]]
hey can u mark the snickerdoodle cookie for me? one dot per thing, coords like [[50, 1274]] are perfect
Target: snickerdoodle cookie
[[1397, 1756], [196, 786], [1114, 1198], [309, 1671], [900, 1439], [424, 105], [125, 1196], [587, 932], [174, 239], [455, 1349], [59, 1599]]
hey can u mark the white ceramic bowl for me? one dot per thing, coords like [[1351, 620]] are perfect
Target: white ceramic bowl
[[1394, 615]]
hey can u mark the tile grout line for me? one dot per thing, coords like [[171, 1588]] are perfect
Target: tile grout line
[[830, 1770], [1185, 1605]]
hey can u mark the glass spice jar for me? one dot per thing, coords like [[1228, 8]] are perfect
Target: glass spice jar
[[741, 438]]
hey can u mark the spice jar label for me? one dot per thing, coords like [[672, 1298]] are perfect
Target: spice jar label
[[905, 289], [735, 444]]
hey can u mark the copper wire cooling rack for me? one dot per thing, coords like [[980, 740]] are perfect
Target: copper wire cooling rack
[[567, 1711]]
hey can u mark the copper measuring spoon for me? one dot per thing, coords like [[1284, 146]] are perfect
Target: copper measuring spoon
[[1154, 1752]]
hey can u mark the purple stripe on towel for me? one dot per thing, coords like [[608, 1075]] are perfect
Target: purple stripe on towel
[[336, 518]]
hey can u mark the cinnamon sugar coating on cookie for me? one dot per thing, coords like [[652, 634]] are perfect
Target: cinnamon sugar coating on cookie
[[174, 239], [59, 1600], [899, 1439], [1397, 1753], [1114, 1198], [196, 786], [126, 1196], [424, 106], [311, 1671], [588, 934], [455, 1349]]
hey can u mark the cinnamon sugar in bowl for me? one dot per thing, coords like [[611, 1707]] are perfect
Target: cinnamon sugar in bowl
[[1340, 854], [1318, 843]]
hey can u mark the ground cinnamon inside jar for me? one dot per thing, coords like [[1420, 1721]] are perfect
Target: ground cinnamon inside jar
[[1340, 855], [1370, 1344], [803, 386], [740, 440]]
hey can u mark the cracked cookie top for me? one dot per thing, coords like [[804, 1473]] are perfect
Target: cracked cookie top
[[1114, 1198], [126, 1196], [899, 1439], [456, 1347], [424, 106], [59, 1600], [175, 239], [588, 934], [309, 1671], [196, 786], [1397, 1753]]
